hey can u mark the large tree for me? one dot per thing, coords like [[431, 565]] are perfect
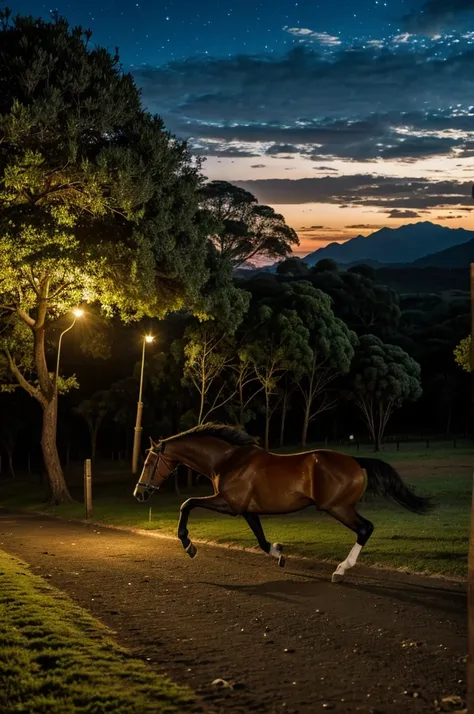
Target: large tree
[[332, 349], [276, 344], [98, 203], [243, 228], [384, 377]]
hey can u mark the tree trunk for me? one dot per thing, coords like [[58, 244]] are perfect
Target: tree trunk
[[304, 433], [93, 443], [59, 490], [284, 410], [267, 420]]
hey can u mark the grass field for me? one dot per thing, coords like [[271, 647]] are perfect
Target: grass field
[[434, 544], [57, 659]]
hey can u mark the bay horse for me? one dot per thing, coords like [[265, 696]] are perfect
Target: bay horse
[[249, 481]]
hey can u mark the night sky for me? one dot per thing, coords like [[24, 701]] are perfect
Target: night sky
[[345, 116]]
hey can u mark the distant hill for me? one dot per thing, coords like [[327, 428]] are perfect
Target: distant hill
[[458, 256], [387, 246]]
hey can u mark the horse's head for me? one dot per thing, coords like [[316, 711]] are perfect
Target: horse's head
[[156, 469]]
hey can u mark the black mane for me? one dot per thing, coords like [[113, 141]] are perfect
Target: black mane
[[231, 434]]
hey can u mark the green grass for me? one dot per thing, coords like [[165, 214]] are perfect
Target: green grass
[[435, 544], [57, 659]]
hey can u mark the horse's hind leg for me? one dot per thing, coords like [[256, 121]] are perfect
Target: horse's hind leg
[[275, 550], [364, 529]]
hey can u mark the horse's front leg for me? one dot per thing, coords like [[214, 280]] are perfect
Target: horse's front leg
[[211, 503]]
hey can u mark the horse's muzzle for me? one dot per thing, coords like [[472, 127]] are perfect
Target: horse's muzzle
[[141, 494]]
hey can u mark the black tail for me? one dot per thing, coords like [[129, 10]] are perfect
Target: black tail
[[383, 480]]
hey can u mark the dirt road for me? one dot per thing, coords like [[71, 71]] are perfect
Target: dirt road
[[289, 639]]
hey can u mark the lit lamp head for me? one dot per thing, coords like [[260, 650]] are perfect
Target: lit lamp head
[[78, 312], [149, 338]]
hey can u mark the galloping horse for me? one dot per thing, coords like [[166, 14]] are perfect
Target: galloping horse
[[249, 481]]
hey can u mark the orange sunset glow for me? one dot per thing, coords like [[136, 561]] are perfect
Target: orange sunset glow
[[318, 224]]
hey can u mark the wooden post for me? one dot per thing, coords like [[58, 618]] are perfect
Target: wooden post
[[470, 561], [88, 487]]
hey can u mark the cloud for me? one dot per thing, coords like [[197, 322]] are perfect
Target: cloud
[[324, 168], [365, 226], [320, 38], [434, 16], [396, 104], [303, 83], [363, 190], [257, 166], [282, 149], [396, 213], [448, 218], [223, 150]]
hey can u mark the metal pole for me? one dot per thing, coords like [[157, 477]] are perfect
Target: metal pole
[[137, 438], [59, 353], [88, 487], [470, 571]]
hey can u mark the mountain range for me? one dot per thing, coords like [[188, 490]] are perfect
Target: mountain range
[[418, 244]]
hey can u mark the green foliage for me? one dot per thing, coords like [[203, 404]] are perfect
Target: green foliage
[[98, 203], [243, 229], [294, 267], [384, 377], [462, 354], [94, 193], [367, 308], [332, 349], [221, 300], [276, 343]]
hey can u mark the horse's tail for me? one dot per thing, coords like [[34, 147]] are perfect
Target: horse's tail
[[384, 480]]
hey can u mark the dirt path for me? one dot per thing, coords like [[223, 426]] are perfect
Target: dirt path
[[290, 640]]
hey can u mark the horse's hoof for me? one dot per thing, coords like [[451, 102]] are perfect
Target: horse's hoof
[[337, 577], [191, 550], [281, 561]]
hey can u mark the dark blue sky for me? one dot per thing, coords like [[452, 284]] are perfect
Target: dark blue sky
[[156, 32], [346, 115]]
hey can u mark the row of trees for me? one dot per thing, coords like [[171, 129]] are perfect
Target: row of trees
[[291, 348]]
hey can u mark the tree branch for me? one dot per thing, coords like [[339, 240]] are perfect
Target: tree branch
[[23, 382]]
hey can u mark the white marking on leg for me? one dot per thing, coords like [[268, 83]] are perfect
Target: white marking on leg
[[349, 562], [275, 550]]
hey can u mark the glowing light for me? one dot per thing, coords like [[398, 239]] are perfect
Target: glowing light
[[78, 312], [149, 338]]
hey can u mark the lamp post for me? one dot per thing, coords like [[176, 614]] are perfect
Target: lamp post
[[77, 312], [138, 424]]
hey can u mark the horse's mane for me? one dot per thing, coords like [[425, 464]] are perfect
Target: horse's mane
[[231, 434]]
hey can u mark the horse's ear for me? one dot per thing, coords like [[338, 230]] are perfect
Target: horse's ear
[[152, 443]]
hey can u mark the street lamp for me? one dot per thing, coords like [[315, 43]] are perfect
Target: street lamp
[[138, 424], [77, 312]]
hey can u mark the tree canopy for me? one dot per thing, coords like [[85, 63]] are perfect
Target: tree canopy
[[98, 203], [243, 228], [384, 377]]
